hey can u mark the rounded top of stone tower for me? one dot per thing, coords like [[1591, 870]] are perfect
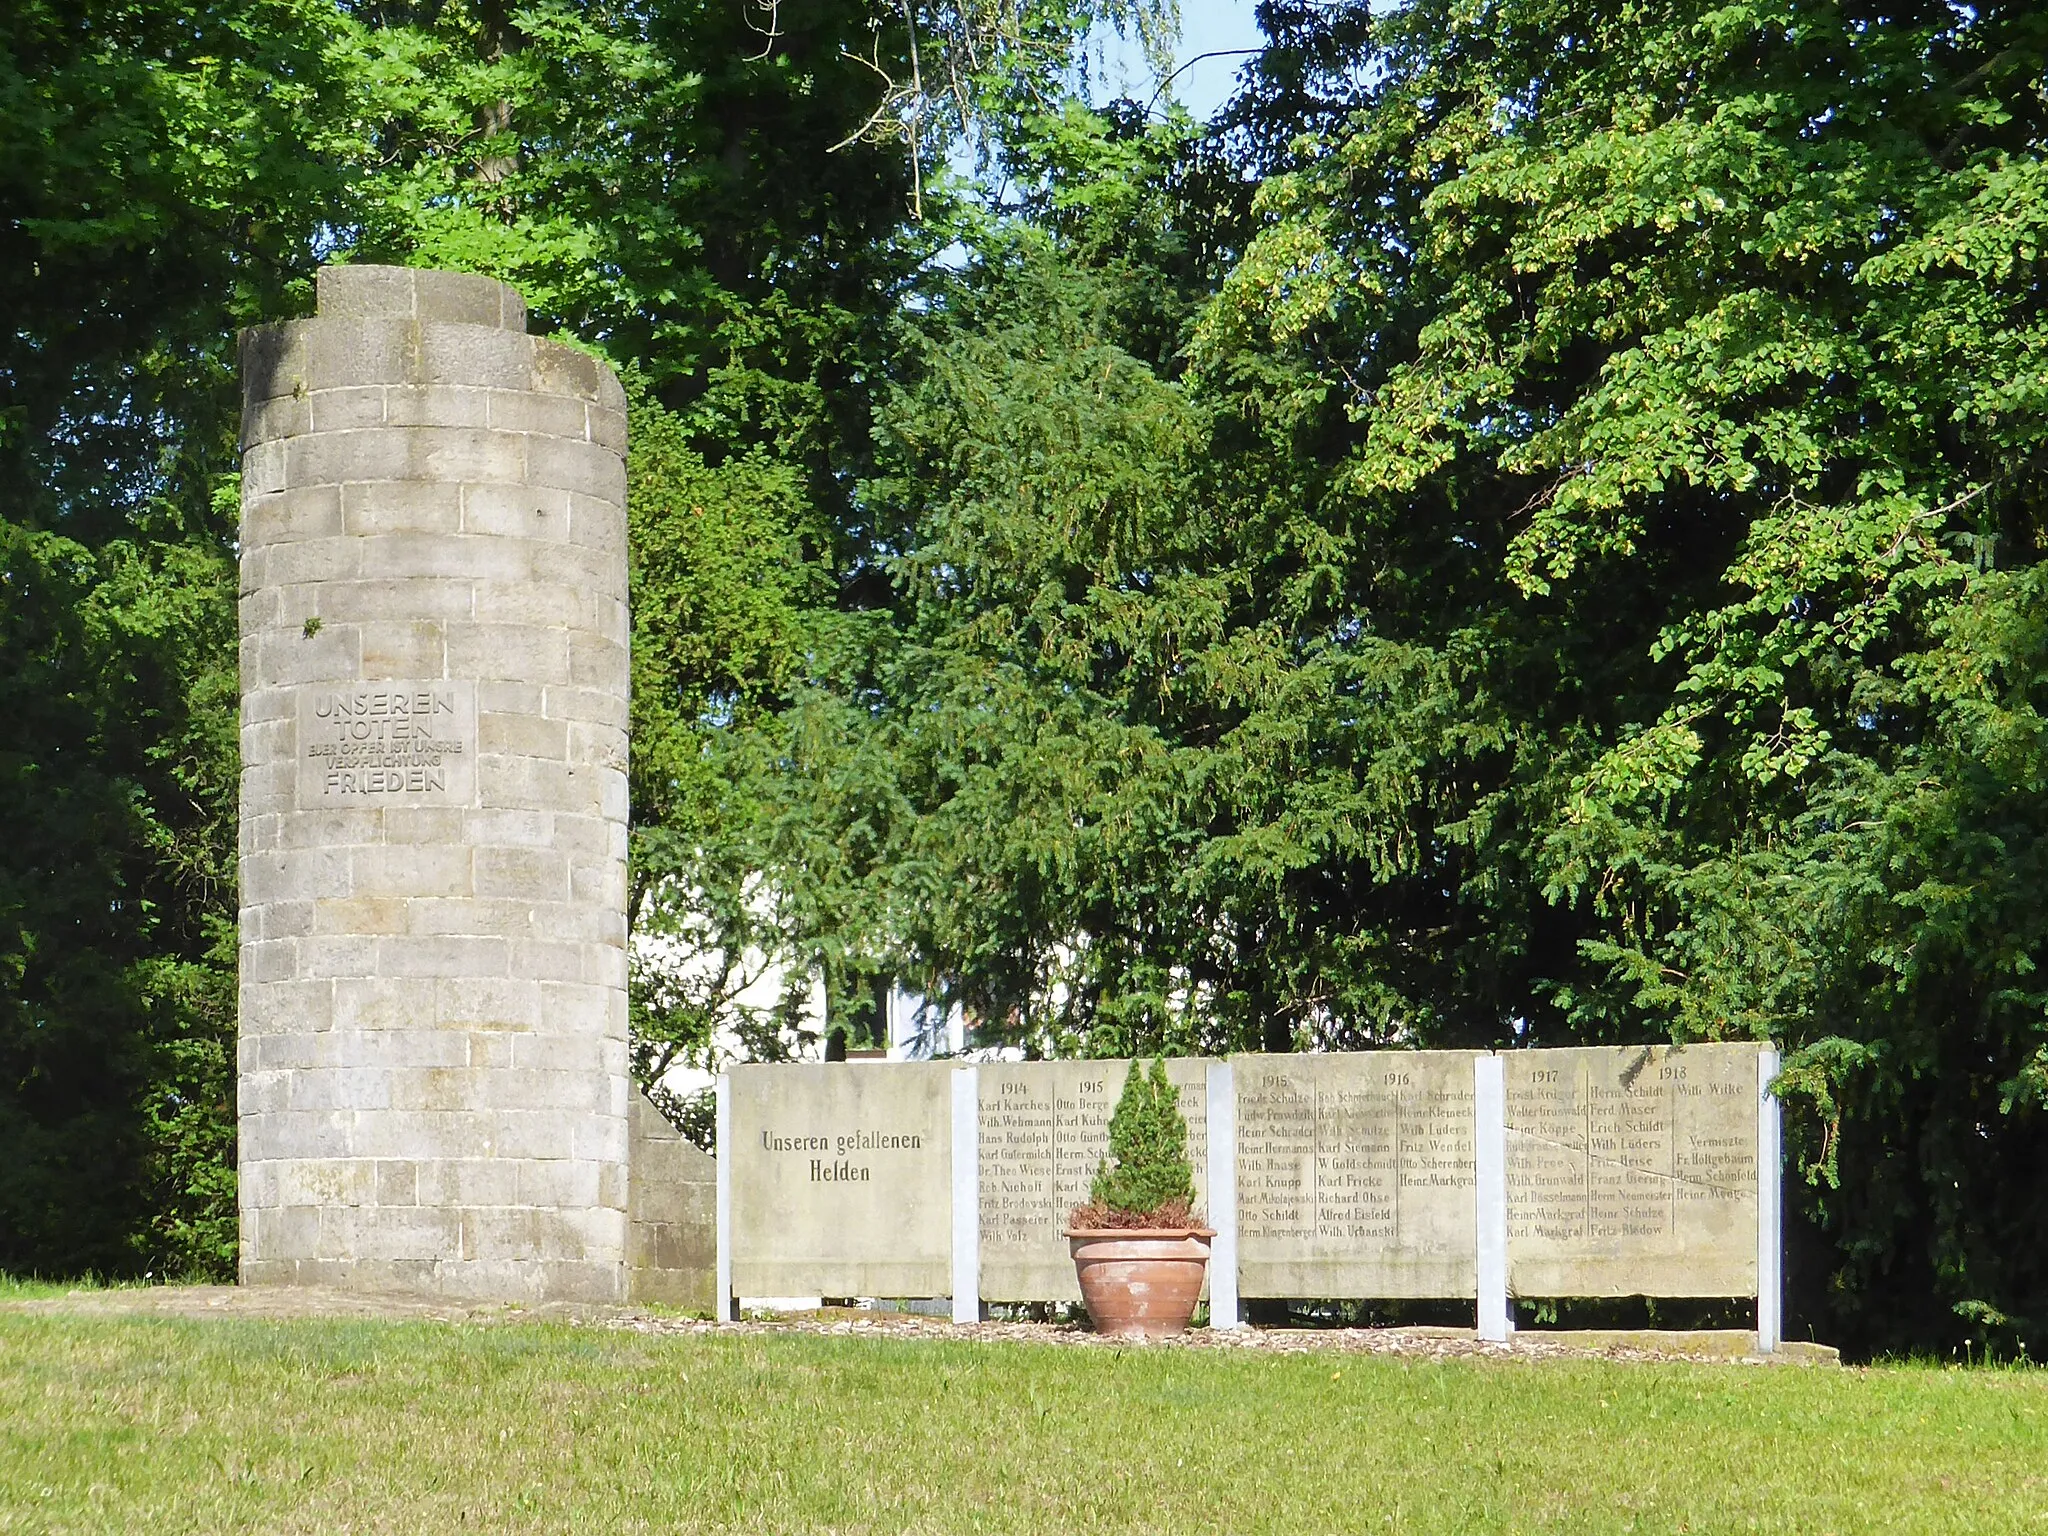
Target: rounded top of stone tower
[[412, 293], [411, 327]]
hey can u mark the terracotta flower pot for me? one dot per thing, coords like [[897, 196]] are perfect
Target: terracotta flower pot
[[1140, 1282]]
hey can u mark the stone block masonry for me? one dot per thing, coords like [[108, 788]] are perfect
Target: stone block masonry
[[434, 1087], [673, 1253]]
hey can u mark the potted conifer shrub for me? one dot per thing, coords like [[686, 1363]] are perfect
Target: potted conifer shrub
[[1139, 1245]]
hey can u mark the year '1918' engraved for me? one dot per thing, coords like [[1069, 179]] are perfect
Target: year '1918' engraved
[[1632, 1171], [386, 743]]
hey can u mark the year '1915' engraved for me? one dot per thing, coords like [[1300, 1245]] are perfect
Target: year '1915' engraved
[[1044, 1132]]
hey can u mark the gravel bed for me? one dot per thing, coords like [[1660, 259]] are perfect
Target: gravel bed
[[1406, 1343], [281, 1304]]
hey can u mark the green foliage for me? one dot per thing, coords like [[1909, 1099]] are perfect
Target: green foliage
[[158, 191], [1530, 533], [726, 611], [655, 181], [1147, 1169], [661, 184], [1708, 335], [1579, 582], [116, 930], [1173, 789]]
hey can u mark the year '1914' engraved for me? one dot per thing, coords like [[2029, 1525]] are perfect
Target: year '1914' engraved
[[1044, 1131], [403, 743]]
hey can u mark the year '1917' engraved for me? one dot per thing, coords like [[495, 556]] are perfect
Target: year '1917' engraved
[[1632, 1171], [386, 743]]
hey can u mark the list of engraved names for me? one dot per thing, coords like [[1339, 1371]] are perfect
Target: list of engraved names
[[1355, 1174], [1044, 1131], [1624, 1163]]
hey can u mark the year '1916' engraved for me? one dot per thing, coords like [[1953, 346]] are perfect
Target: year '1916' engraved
[[386, 743], [1355, 1174], [1632, 1170]]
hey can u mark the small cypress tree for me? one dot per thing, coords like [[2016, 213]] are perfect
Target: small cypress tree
[[1147, 1168]]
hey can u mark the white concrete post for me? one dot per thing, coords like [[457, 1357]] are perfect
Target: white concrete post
[[1770, 1249], [1222, 1107], [966, 1195], [724, 1309], [1490, 1164]]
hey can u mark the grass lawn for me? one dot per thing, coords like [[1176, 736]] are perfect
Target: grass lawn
[[138, 1424]]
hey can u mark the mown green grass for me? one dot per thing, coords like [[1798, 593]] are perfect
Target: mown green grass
[[28, 1288], [135, 1424], [13, 1288]]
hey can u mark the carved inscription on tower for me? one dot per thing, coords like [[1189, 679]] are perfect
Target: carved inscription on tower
[[365, 745], [1632, 1171], [1044, 1130], [1355, 1175]]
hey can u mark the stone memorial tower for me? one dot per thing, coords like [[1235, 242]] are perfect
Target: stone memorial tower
[[434, 1088]]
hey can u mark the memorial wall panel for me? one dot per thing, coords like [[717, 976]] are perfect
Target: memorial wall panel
[[1044, 1130], [1632, 1171], [842, 1181], [1355, 1175]]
